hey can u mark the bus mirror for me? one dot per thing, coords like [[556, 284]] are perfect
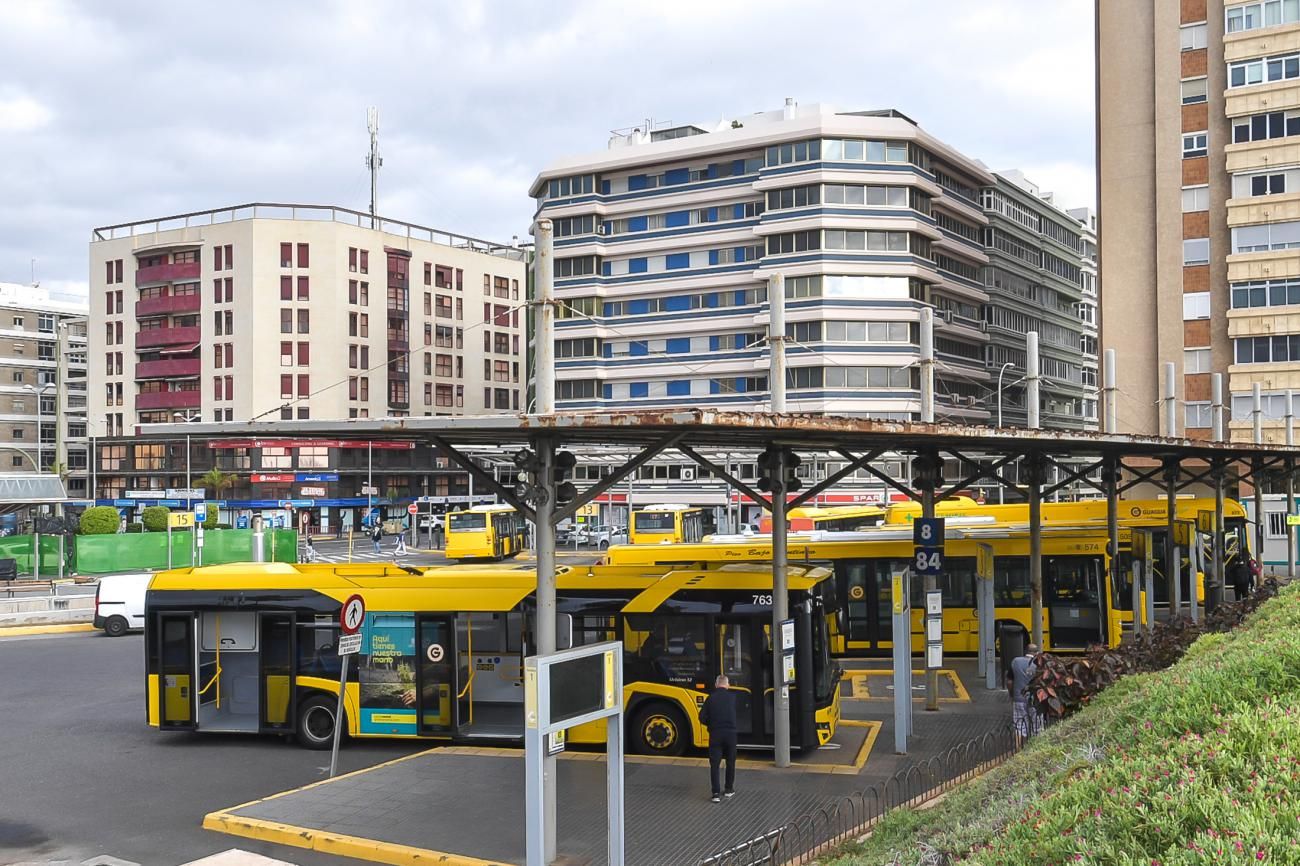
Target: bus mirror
[[563, 631]]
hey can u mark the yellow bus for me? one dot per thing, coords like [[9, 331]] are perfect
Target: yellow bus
[[834, 518], [252, 648], [484, 532], [660, 524], [1081, 607]]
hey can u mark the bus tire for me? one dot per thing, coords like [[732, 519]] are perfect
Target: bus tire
[[659, 728], [116, 626], [316, 722]]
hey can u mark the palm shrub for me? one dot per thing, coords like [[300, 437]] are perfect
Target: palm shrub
[[154, 518]]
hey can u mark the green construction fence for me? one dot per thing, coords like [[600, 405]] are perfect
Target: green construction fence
[[147, 551]]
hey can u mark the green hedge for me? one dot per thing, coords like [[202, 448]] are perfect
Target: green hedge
[[100, 520], [154, 518], [1198, 764], [100, 554]]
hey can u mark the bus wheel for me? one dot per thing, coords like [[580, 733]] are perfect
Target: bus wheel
[[116, 626], [316, 722], [659, 729]]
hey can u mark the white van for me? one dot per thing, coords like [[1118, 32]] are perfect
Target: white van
[[119, 602]]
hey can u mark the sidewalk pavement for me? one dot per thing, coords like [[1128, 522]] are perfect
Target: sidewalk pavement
[[464, 805]]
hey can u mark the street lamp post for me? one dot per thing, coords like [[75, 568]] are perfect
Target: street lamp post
[[1003, 369], [40, 419]]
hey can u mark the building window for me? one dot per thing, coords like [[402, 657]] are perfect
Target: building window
[[1271, 183], [1268, 237], [1196, 305], [304, 385], [304, 292], [1196, 198], [303, 257], [1259, 127], [1195, 144], [1251, 16], [286, 354], [1265, 293], [1279, 67], [304, 354], [1193, 36], [1275, 349], [1197, 415], [286, 386], [1193, 91], [304, 321], [286, 255], [1196, 361], [1196, 251], [286, 322]]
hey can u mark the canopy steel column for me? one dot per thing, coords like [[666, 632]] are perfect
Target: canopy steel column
[[780, 610], [1290, 487], [1110, 478], [1173, 559], [929, 472], [544, 448], [1220, 582], [1033, 466], [1257, 479]]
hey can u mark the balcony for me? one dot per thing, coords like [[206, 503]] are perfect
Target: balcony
[[186, 272], [168, 369], [169, 304], [167, 337], [168, 400]]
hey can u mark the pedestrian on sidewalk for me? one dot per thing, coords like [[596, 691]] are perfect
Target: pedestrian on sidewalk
[[719, 715], [309, 552], [1024, 718], [377, 535]]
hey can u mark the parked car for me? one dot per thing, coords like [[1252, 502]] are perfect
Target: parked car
[[119, 603], [431, 521], [564, 533], [602, 536]]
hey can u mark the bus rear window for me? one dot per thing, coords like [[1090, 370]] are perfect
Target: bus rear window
[[467, 522], [654, 521]]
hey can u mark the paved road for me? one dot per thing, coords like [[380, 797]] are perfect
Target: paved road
[[81, 774]]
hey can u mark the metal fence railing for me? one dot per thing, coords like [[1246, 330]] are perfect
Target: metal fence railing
[[813, 833]]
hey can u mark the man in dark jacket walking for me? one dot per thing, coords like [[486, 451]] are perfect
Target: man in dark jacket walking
[[719, 715]]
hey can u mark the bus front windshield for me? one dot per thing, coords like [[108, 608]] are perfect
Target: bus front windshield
[[468, 521], [654, 521]]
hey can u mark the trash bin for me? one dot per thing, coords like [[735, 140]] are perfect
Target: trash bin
[[8, 569], [1011, 639]]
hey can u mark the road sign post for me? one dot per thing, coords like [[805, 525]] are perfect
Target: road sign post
[[927, 538], [413, 510], [352, 615]]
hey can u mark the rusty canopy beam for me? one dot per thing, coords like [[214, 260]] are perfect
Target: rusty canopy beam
[[1075, 475], [989, 473], [1139, 476], [873, 471], [465, 462], [647, 454], [725, 475], [834, 479]]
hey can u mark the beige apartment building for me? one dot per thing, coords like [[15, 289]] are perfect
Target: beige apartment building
[[30, 388], [1198, 115], [300, 312]]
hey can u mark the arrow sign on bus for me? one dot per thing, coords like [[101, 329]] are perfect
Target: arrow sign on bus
[[352, 615]]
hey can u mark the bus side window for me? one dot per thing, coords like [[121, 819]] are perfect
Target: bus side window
[[316, 650]]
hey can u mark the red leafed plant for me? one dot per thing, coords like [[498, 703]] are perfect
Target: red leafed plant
[[1064, 684]]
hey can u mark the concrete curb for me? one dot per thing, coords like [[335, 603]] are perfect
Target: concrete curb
[[55, 628]]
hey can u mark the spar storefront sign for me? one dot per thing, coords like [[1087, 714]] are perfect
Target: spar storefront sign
[[385, 445]]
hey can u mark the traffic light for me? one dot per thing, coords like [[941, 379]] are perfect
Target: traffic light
[[767, 467], [526, 486], [565, 492]]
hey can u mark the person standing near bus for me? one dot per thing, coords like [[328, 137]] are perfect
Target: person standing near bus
[[719, 715], [1024, 718], [377, 535]]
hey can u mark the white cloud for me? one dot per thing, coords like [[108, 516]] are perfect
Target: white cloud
[[22, 113], [112, 115]]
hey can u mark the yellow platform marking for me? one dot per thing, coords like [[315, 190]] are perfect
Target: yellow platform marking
[[56, 628], [861, 689], [376, 851]]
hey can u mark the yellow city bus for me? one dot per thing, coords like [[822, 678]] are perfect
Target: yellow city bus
[[484, 532], [660, 524], [1081, 607], [253, 648], [834, 518]]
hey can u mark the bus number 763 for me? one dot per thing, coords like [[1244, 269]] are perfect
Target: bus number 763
[[763, 600]]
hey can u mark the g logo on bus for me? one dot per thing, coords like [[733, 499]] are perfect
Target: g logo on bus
[[1136, 511], [857, 593], [434, 652]]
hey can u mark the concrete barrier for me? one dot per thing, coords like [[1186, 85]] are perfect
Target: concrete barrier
[[46, 610]]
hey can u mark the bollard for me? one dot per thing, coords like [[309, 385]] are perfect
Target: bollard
[[259, 552]]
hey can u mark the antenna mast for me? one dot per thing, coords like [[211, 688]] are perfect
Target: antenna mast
[[373, 161]]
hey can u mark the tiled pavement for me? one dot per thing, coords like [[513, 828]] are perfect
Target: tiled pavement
[[469, 802]]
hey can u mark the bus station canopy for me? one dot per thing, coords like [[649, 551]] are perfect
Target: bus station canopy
[[734, 430], [22, 491]]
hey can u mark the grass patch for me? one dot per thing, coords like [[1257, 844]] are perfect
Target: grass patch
[[1197, 764]]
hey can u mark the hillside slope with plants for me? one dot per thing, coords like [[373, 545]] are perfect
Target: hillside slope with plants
[[1195, 764]]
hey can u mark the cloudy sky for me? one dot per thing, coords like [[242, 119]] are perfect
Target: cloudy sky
[[112, 112]]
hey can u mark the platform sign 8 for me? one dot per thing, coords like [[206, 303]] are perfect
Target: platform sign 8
[[927, 532]]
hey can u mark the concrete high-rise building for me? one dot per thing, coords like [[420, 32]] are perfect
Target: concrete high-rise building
[[1198, 112], [296, 313], [666, 241], [30, 322], [304, 312]]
